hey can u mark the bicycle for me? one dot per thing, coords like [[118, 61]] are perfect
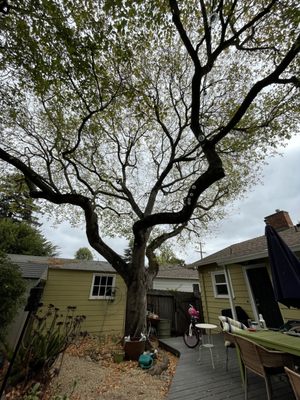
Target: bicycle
[[192, 336]]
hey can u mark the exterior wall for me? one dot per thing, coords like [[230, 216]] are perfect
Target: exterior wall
[[15, 328], [241, 293], [72, 288], [212, 306], [174, 284]]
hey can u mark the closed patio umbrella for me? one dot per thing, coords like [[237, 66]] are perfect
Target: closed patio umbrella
[[285, 268]]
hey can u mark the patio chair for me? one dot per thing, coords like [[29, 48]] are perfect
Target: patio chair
[[261, 361], [274, 361], [294, 378], [241, 314], [229, 343], [229, 326]]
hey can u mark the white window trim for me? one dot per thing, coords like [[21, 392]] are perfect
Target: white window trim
[[221, 296], [91, 297]]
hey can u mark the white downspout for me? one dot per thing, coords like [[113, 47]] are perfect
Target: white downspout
[[232, 306]]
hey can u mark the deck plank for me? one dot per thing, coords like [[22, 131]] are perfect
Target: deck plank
[[196, 380]]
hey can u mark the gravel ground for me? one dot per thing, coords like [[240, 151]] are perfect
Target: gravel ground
[[92, 374]]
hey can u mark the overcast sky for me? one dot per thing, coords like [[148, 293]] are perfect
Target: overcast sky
[[280, 189]]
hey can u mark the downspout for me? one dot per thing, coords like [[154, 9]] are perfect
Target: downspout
[[230, 293], [203, 296]]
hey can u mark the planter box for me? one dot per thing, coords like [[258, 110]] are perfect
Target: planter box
[[134, 349]]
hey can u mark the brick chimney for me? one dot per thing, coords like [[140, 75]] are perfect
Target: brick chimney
[[279, 221]]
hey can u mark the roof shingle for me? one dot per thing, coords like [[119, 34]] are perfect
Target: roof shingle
[[250, 249]]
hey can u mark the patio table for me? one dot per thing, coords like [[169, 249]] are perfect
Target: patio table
[[273, 340], [209, 342]]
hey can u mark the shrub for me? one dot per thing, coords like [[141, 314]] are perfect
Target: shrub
[[12, 289], [50, 335]]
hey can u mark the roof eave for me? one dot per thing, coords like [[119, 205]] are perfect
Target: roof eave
[[233, 259]]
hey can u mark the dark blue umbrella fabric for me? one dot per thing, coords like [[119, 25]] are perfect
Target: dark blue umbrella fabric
[[285, 268]]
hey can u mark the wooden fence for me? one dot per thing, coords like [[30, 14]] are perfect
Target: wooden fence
[[173, 306]]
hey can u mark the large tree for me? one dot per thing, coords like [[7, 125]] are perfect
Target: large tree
[[15, 201], [146, 117], [12, 290], [84, 253], [18, 220], [22, 238]]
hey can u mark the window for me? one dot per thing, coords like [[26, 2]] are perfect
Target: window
[[220, 284], [103, 287]]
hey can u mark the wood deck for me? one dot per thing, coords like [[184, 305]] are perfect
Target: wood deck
[[196, 380]]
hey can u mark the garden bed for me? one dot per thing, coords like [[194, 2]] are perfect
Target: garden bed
[[88, 371]]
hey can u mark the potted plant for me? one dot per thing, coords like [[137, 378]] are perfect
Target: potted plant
[[118, 355], [134, 347]]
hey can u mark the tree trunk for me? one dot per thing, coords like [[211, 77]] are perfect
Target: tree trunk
[[136, 308], [137, 287]]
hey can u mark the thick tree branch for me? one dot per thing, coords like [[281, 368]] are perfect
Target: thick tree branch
[[154, 245], [159, 240], [198, 72], [35, 182], [207, 28], [224, 44], [272, 78], [214, 173], [293, 80]]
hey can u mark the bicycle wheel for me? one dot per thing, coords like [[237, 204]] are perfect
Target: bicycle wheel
[[191, 337]]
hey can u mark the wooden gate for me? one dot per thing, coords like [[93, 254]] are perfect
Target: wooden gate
[[173, 305]]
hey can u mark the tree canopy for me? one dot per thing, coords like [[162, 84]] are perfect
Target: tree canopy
[[12, 289], [145, 117], [84, 253], [167, 256], [15, 201], [22, 238], [18, 220]]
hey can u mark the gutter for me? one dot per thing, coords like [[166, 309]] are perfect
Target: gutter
[[243, 257]]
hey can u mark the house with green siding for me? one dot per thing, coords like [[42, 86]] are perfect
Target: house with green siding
[[94, 287], [240, 275]]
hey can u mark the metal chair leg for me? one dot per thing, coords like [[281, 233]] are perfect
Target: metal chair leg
[[268, 387], [212, 358], [226, 366], [246, 384]]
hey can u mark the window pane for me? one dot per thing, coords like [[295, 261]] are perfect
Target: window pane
[[103, 286], [222, 289], [95, 290], [220, 278], [104, 281], [109, 281], [102, 291]]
